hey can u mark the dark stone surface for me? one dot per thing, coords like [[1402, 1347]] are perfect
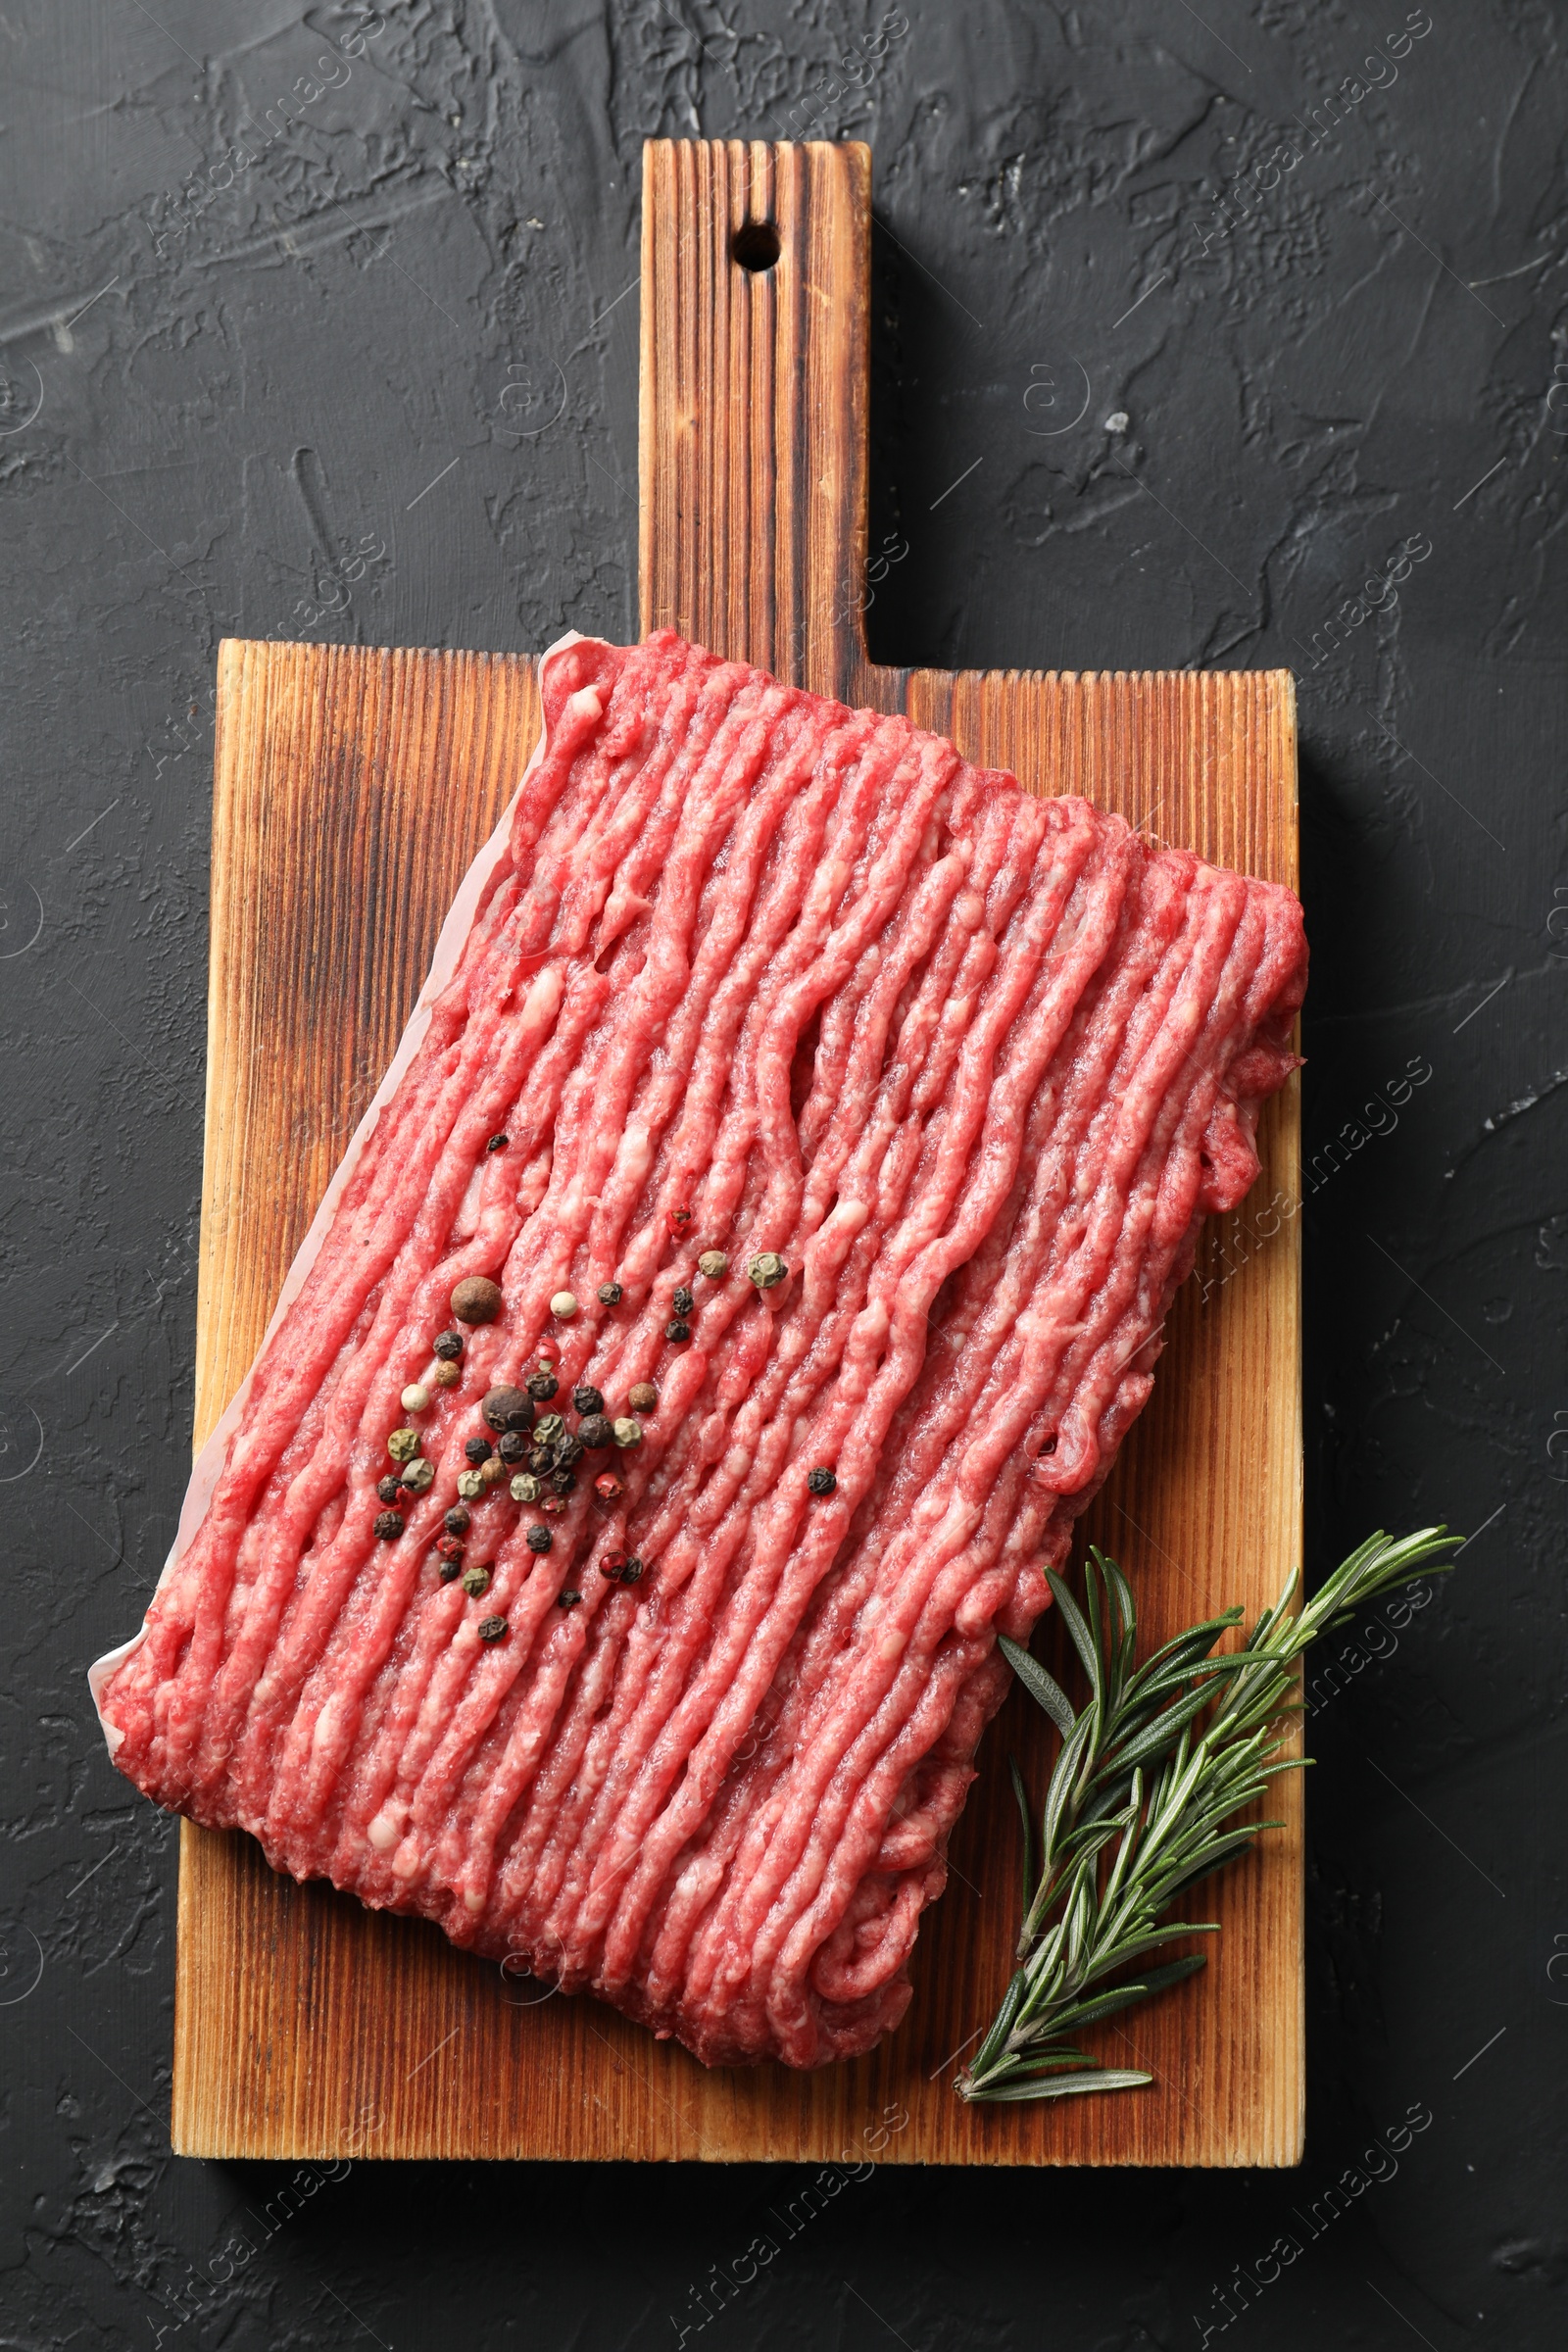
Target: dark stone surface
[[361, 345]]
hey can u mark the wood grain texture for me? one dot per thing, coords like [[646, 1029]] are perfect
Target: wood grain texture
[[350, 789]]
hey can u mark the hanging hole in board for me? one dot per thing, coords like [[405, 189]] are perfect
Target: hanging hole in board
[[754, 245]]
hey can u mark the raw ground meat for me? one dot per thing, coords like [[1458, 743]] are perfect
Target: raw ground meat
[[753, 973]]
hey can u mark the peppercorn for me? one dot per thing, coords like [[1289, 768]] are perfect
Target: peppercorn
[[643, 1397], [471, 1486], [419, 1474], [714, 1264], [549, 1429], [596, 1432], [491, 1629], [387, 1489], [525, 1487], [477, 1299], [415, 1397], [450, 1546], [512, 1447], [507, 1408], [627, 1432], [447, 1376], [587, 1399], [608, 1487], [476, 1580], [540, 1539], [449, 1569], [677, 1330], [388, 1526], [498, 1143], [493, 1471], [820, 1481], [541, 1386], [683, 1302], [609, 1294], [479, 1449], [456, 1521], [553, 1507], [767, 1269], [449, 1346], [563, 1305], [568, 1452], [568, 1600], [540, 1460], [631, 1571], [677, 1220], [403, 1445]]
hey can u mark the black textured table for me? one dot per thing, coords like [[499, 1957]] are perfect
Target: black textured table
[[1225, 339]]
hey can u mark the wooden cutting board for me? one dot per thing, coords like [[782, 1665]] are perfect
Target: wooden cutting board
[[351, 789]]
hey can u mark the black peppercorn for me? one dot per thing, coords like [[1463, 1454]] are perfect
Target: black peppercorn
[[512, 1447], [498, 1143], [568, 1452], [561, 1482], [387, 1490], [491, 1629], [479, 1449], [568, 1600], [587, 1399], [683, 1301], [388, 1526], [596, 1432], [507, 1408], [820, 1481], [540, 1539], [609, 1294], [456, 1521], [540, 1458], [449, 1346], [677, 1329], [451, 1570], [632, 1570], [541, 1386]]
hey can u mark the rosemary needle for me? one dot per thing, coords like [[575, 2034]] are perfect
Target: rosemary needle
[[1142, 1803]]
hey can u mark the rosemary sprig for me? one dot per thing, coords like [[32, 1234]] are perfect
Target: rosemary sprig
[[1143, 1802]]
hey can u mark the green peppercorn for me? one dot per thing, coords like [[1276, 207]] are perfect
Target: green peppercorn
[[491, 1629], [626, 1432], [540, 1539], [525, 1487], [548, 1428], [403, 1445], [683, 1301], [610, 1294], [677, 1330], [471, 1486], [820, 1481], [767, 1269], [419, 1474], [476, 1580]]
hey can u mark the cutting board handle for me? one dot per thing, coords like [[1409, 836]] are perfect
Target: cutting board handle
[[755, 295]]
